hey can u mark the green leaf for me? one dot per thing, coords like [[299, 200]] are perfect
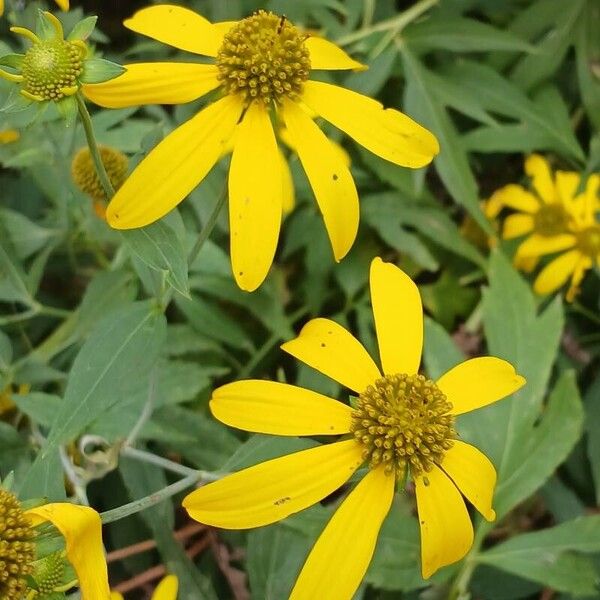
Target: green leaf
[[159, 248], [40, 407], [452, 163], [500, 96], [83, 29], [530, 342], [440, 353], [593, 432], [26, 236], [116, 359], [12, 60], [98, 70], [534, 69], [587, 48], [540, 452], [547, 556], [459, 34]]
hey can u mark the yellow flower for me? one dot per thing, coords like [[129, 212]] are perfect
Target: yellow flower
[[261, 69], [62, 4], [555, 219], [82, 529], [8, 136], [402, 423], [165, 590]]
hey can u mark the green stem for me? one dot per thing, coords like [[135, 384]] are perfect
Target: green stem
[[210, 225], [159, 461], [460, 586], [116, 514], [86, 121], [396, 23]]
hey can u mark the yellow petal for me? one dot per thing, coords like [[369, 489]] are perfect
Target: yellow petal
[[478, 382], [583, 265], [398, 314], [116, 596], [279, 409], [255, 198], [538, 245], [154, 83], [474, 475], [175, 167], [345, 548], [385, 132], [1, 7], [166, 589], [525, 263], [178, 27], [517, 225], [275, 489], [82, 529], [567, 183], [335, 352], [62, 4], [555, 274], [326, 55], [288, 199], [538, 169], [329, 178], [518, 198], [446, 529]]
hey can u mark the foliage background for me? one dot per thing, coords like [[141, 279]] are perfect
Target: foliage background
[[99, 328]]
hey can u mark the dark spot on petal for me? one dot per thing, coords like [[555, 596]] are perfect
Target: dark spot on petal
[[335, 177], [282, 501], [323, 344]]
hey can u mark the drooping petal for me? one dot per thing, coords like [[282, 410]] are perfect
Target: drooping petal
[[288, 199], [554, 274], [335, 352], [279, 409], [82, 529], [516, 197], [177, 26], [398, 314], [478, 382], [255, 198], [517, 225], [345, 548], [583, 265], [537, 167], [329, 177], [446, 529], [385, 132], [474, 475], [326, 55], [167, 588], [154, 83], [175, 167], [538, 245], [275, 489]]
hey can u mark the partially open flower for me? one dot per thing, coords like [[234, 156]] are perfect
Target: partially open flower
[[54, 67]]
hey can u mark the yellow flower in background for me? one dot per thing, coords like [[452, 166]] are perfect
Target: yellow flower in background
[[81, 529], [556, 218], [165, 590], [261, 70], [62, 4], [8, 136], [402, 423]]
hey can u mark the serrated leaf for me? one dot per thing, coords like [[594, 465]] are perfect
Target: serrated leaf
[[161, 249], [541, 451]]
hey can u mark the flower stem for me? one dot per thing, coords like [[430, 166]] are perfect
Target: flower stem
[[110, 516], [210, 225], [86, 121], [396, 23]]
